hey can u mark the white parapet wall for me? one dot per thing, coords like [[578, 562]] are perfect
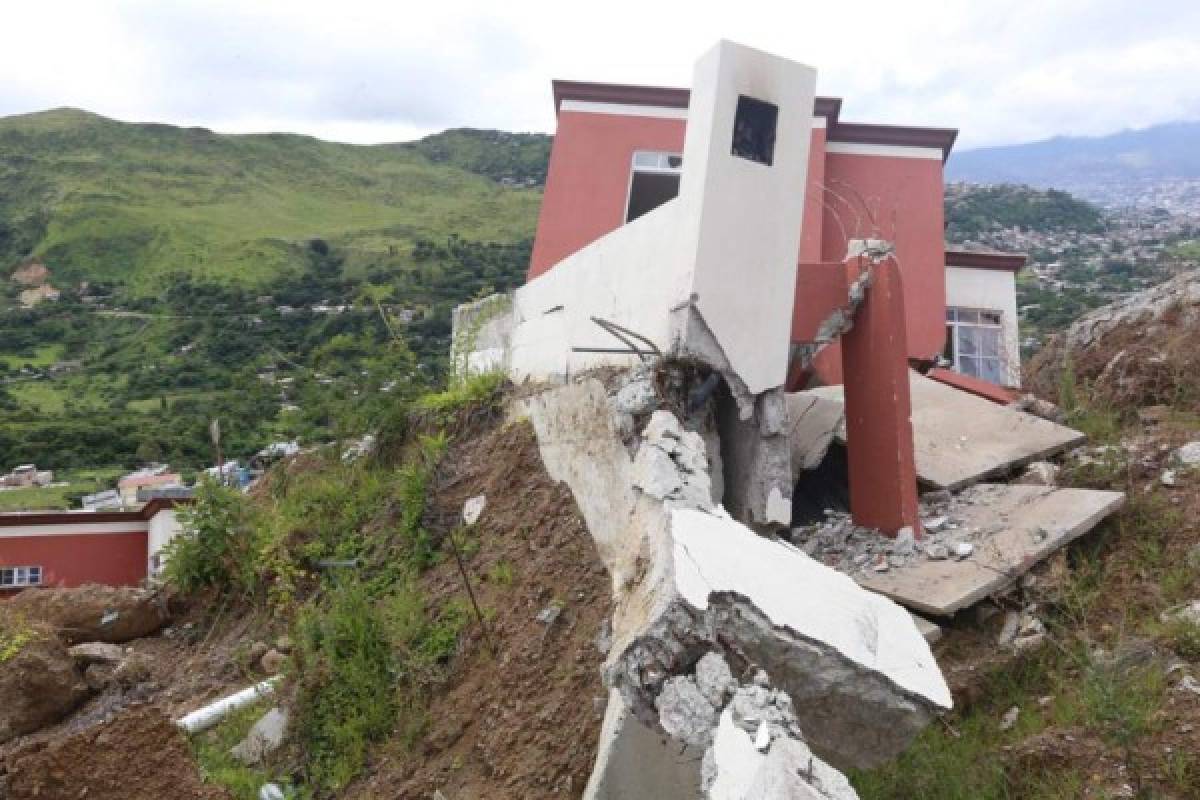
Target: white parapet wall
[[712, 269]]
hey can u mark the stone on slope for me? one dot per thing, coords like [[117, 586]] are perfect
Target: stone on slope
[[264, 738], [95, 613], [97, 653], [39, 682]]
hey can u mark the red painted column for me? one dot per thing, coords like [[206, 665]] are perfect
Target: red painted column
[[883, 475]]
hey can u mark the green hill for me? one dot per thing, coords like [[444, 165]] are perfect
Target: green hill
[[101, 200], [974, 209], [291, 287]]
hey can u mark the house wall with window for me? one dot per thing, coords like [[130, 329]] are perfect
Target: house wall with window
[[72, 548], [982, 337], [863, 181]]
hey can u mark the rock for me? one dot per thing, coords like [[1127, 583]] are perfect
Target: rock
[[655, 473], [685, 713], [99, 676], [135, 669], [1012, 623], [1169, 478], [1188, 455], [663, 425], [1010, 718], [256, 651], [94, 613], [1025, 644], [1189, 684], [1185, 613], [473, 508], [97, 653], [549, 614], [1040, 408], [636, 397], [714, 679], [39, 682], [271, 791], [1154, 415], [936, 552], [935, 524], [1039, 473], [905, 543], [284, 644], [762, 739], [272, 661], [264, 738]]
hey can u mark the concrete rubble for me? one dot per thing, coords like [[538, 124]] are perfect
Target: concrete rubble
[[733, 657]]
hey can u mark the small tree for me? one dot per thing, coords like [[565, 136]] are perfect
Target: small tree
[[216, 547]]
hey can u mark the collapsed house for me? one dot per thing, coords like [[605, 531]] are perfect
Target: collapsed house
[[701, 363]]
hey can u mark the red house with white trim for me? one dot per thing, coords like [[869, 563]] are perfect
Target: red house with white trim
[[617, 155], [71, 548]]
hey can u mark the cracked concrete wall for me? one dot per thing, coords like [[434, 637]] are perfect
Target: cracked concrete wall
[[689, 581], [725, 247]]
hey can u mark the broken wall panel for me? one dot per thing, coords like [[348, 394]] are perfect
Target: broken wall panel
[[961, 439]]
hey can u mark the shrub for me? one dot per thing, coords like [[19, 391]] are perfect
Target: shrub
[[217, 546], [345, 672]]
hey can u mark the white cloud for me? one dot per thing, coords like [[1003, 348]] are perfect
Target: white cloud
[[366, 71]]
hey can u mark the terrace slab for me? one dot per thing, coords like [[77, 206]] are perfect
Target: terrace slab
[[1010, 528], [960, 439]]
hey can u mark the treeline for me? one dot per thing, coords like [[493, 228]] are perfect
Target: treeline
[[146, 387]]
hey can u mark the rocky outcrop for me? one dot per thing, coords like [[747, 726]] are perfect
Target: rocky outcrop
[[1138, 351], [39, 682], [94, 613]]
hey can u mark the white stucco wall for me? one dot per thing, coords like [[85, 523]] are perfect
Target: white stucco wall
[[993, 290], [726, 245], [163, 527]]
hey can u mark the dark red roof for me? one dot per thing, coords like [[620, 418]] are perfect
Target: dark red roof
[[828, 107]]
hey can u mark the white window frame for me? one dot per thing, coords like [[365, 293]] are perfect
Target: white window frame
[[960, 317], [653, 162], [20, 577]]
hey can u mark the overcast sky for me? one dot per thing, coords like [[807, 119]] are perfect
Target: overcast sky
[[362, 71]]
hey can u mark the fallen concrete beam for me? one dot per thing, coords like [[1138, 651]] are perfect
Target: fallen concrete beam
[[959, 439], [1009, 528]]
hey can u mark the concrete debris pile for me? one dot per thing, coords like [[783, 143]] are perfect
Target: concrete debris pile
[[734, 657], [948, 532]]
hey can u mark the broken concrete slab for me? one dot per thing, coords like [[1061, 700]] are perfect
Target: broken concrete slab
[[1013, 528], [689, 581], [960, 439], [635, 761], [265, 737]]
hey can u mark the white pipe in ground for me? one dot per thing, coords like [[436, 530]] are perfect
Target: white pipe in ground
[[204, 718]]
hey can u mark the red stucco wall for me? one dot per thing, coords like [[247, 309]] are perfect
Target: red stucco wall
[[115, 559], [587, 183], [905, 197]]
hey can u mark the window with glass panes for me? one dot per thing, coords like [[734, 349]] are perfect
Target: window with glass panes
[[20, 576], [975, 343]]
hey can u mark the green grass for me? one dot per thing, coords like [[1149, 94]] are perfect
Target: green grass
[[58, 497], [42, 397], [137, 202], [211, 750], [43, 356]]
